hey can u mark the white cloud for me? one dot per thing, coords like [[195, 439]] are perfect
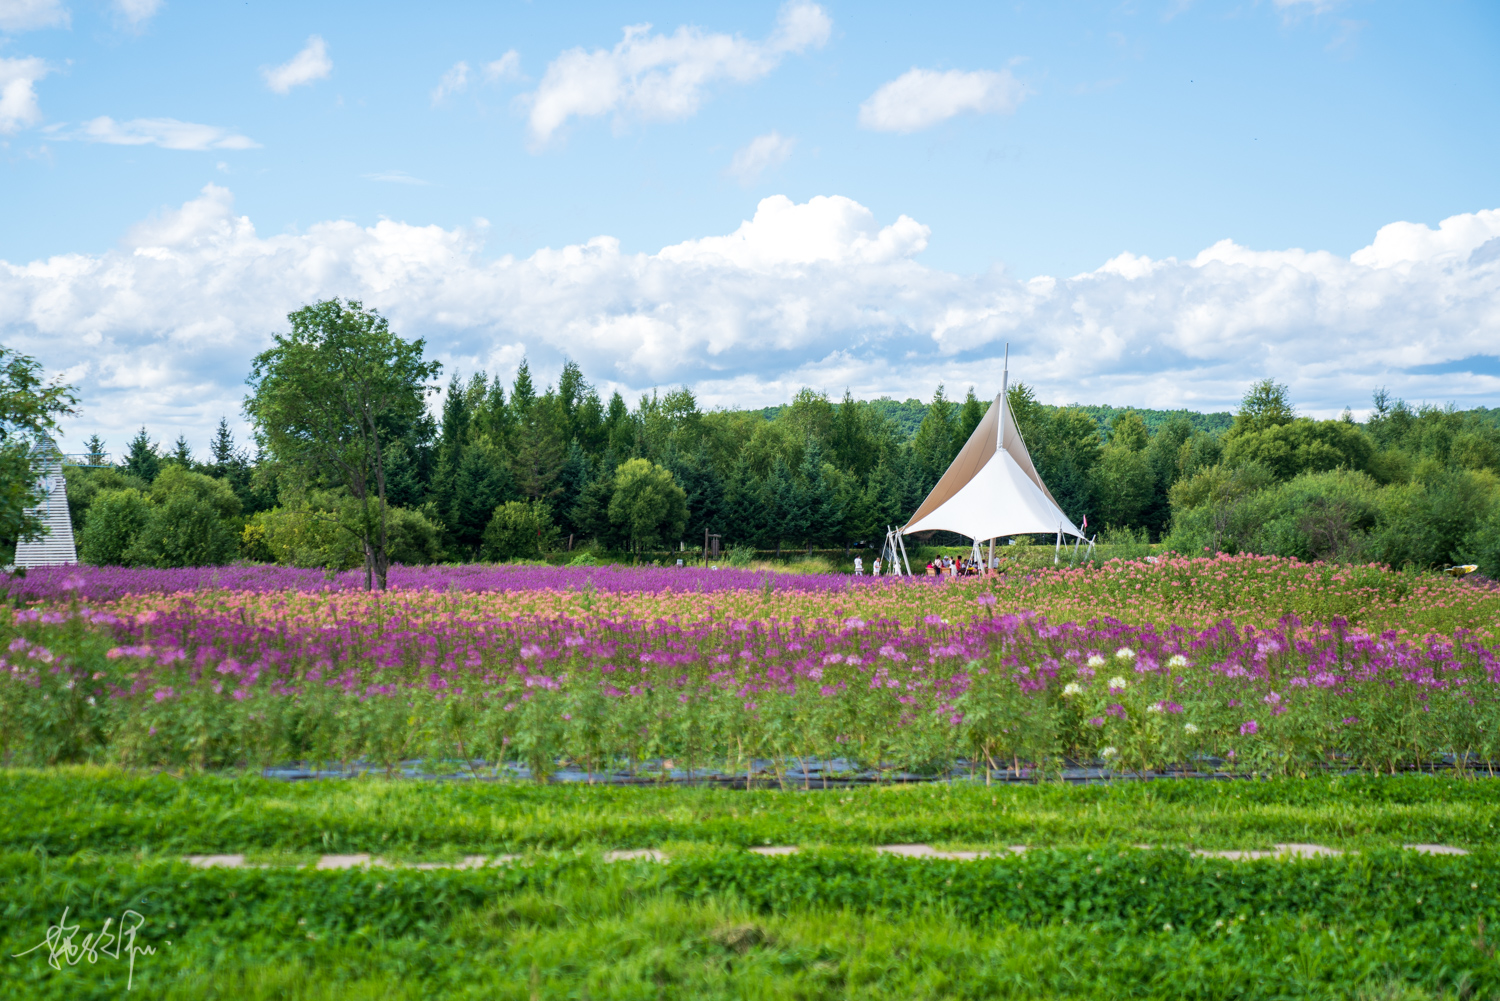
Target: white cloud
[[507, 67], [136, 12], [18, 105], [28, 15], [826, 229], [394, 177], [921, 98], [816, 293], [312, 63], [762, 154], [168, 133], [453, 81], [663, 77]]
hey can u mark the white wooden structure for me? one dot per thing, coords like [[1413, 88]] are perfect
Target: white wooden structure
[[55, 547]]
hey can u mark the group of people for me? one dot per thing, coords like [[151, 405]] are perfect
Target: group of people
[[954, 566], [941, 566]]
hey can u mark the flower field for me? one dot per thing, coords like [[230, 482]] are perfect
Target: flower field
[[181, 683], [1233, 664]]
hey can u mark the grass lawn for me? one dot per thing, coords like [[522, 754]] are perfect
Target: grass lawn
[[1083, 913]]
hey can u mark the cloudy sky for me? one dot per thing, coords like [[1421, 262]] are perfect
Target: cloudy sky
[[1153, 201]]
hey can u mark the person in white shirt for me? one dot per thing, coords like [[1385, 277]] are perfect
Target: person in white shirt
[[859, 566], [875, 568]]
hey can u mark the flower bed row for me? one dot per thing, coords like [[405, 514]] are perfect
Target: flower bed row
[[211, 685]]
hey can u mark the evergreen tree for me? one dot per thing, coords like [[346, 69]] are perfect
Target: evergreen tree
[[818, 497], [182, 453], [141, 458], [483, 484], [452, 444], [619, 426], [847, 448], [577, 471], [789, 506], [538, 451], [933, 444], [590, 514], [705, 492], [222, 447], [522, 393], [745, 518], [969, 416], [94, 448], [572, 391]]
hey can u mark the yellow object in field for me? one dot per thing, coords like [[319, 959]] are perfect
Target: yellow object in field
[[1462, 571]]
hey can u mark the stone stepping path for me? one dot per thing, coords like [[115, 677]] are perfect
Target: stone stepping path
[[362, 861]]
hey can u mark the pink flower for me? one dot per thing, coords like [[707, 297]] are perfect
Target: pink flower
[[1248, 727]]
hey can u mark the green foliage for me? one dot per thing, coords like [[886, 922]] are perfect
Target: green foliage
[[1299, 446], [29, 409], [315, 535], [328, 399], [1266, 404], [183, 531], [647, 503], [85, 484], [519, 530], [141, 458], [116, 517]]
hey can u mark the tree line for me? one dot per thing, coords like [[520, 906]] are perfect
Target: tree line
[[362, 457]]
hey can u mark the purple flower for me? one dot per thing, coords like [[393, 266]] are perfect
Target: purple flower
[[1248, 727]]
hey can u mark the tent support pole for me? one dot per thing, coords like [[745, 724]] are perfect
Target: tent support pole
[[991, 564], [1076, 540], [902, 543], [1057, 552]]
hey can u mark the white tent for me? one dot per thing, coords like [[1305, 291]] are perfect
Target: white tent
[[992, 488]]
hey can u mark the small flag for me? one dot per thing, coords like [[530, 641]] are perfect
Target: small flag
[[1085, 521]]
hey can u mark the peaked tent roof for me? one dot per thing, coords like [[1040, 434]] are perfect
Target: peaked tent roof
[[55, 547], [989, 491]]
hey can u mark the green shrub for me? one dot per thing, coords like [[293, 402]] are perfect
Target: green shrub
[[183, 532], [116, 517], [519, 530], [1301, 446], [1429, 522], [313, 536]]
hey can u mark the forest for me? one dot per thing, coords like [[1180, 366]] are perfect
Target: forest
[[491, 471]]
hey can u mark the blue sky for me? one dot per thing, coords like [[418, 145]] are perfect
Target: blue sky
[[1123, 191]]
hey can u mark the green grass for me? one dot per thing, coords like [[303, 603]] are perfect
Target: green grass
[[68, 810], [826, 925], [1082, 915]]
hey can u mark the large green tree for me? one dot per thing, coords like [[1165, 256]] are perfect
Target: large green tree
[[647, 503], [328, 399]]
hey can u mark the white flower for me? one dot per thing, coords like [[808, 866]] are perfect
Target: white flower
[[1190, 727], [1116, 683], [1095, 660], [1108, 752], [1154, 707], [1178, 660], [1125, 653], [1072, 688]]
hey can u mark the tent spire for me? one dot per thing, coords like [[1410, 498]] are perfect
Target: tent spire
[[1004, 398]]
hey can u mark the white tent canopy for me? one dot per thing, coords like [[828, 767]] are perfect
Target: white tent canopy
[[992, 491]]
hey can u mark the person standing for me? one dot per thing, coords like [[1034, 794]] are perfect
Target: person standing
[[859, 566]]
